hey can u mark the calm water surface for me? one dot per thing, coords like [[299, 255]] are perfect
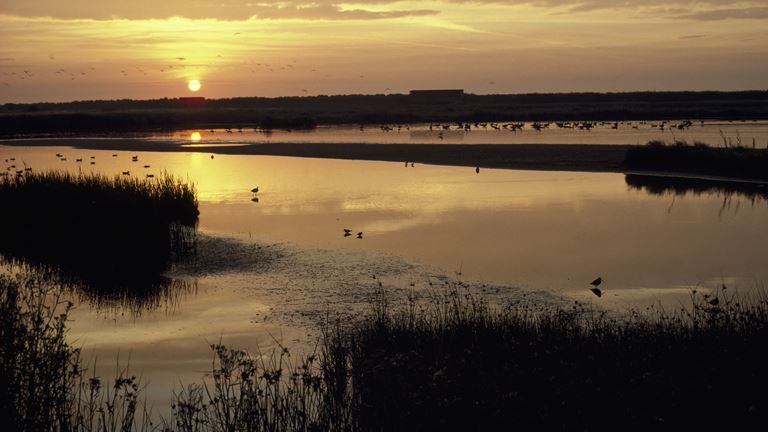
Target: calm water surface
[[542, 230]]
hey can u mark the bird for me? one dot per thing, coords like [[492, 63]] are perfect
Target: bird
[[477, 170], [126, 173], [211, 156], [360, 235], [255, 199], [595, 290], [255, 190], [347, 231], [114, 155], [146, 166]]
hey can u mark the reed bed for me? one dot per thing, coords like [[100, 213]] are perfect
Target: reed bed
[[442, 361], [43, 383], [97, 228], [737, 161], [455, 363]]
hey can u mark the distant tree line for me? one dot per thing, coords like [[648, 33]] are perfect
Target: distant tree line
[[308, 112]]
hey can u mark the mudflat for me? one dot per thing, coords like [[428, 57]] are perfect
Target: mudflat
[[554, 157]]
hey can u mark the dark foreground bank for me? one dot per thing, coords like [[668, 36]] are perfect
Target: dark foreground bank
[[444, 361]]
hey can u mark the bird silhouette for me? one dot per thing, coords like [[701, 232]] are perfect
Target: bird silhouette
[[347, 230], [595, 290], [360, 235], [255, 190], [477, 170]]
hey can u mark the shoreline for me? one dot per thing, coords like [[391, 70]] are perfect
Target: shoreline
[[547, 157], [607, 158]]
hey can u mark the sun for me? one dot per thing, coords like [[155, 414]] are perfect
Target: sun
[[194, 85]]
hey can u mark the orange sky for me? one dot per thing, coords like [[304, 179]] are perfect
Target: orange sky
[[104, 49]]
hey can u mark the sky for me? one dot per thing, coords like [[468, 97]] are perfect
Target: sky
[[63, 50]]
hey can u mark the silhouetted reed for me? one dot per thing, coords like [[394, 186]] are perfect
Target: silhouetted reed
[[443, 361], [43, 384], [697, 158], [455, 363], [106, 232]]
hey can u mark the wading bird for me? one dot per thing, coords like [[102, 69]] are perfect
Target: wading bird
[[595, 290]]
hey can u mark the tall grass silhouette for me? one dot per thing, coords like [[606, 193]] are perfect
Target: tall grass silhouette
[[446, 361], [104, 231], [729, 161]]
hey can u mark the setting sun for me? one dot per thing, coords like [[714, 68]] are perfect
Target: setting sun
[[194, 85]]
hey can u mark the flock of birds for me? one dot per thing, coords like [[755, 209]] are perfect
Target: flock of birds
[[539, 126], [348, 233], [175, 64], [12, 168]]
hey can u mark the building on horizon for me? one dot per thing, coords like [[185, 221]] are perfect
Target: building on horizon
[[192, 101]]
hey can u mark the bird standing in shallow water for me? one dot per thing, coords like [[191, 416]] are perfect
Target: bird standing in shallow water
[[360, 235], [595, 290]]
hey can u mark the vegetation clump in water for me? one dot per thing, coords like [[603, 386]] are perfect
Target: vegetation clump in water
[[97, 227], [738, 160]]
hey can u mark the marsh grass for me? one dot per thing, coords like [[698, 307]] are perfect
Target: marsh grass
[[106, 232], [43, 383], [455, 363], [444, 360], [736, 161]]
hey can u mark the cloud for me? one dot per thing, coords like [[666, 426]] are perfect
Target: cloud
[[240, 10], [721, 14], [199, 9]]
